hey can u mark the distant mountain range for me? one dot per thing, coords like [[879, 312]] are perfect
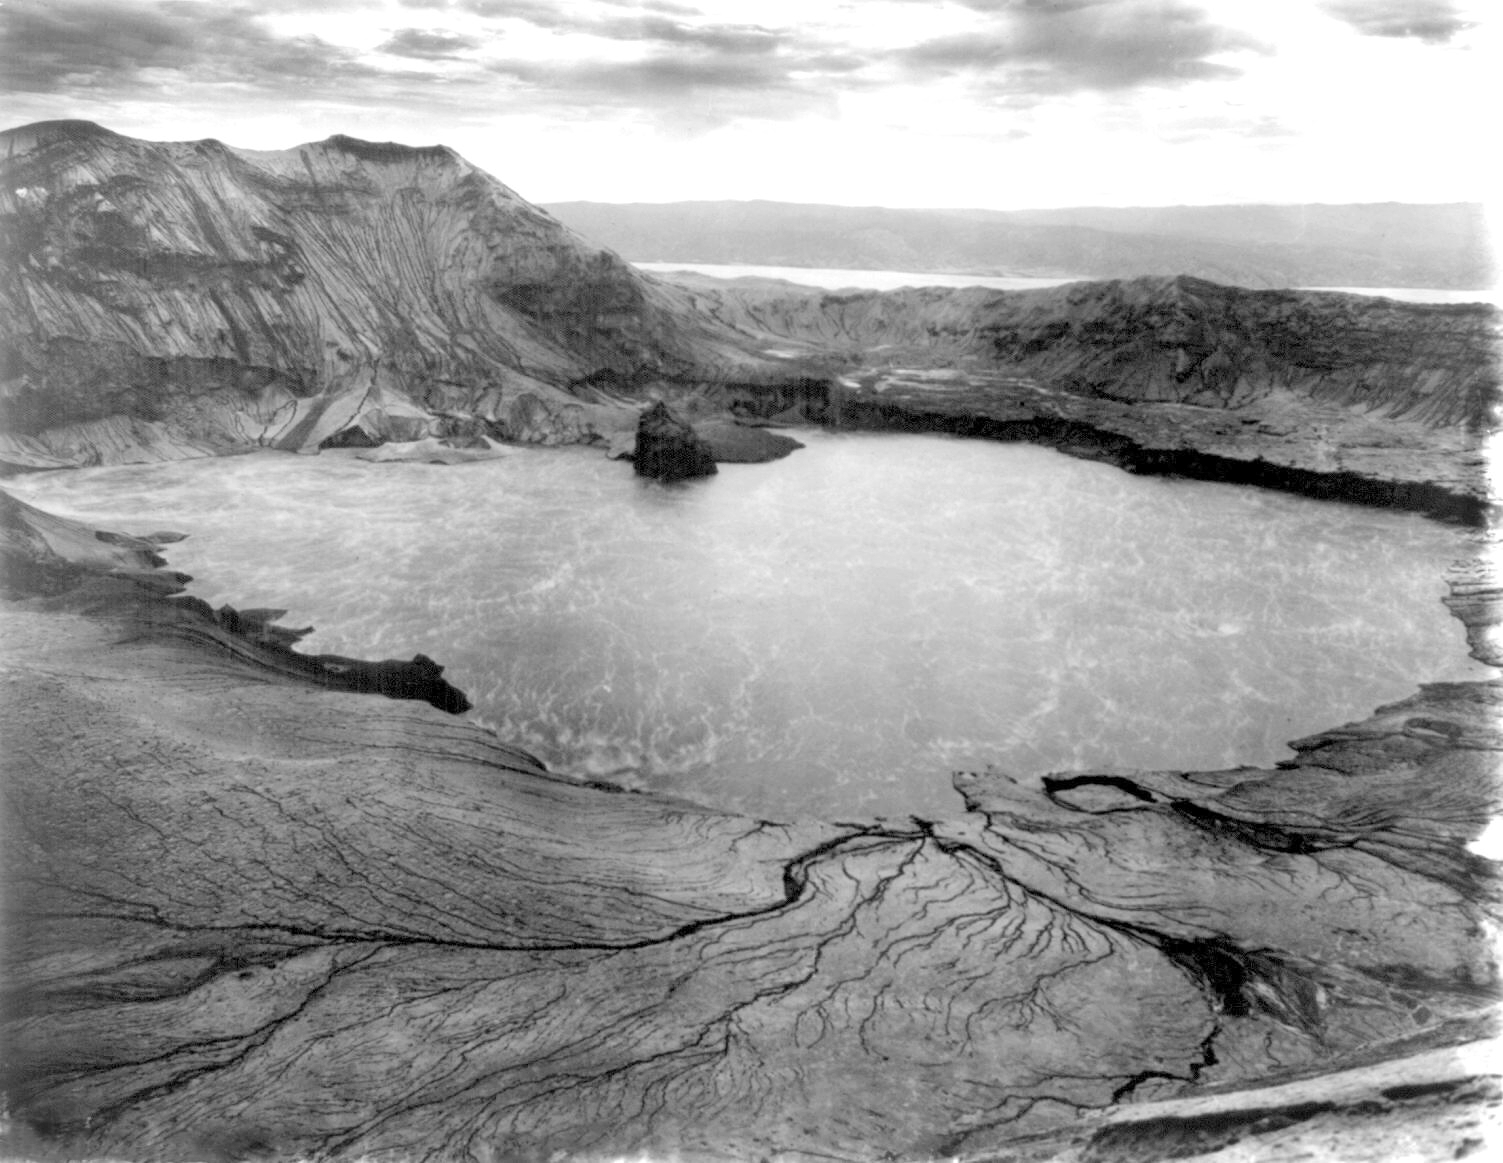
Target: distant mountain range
[[1385, 244]]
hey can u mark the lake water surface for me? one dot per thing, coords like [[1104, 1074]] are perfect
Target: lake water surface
[[833, 633]]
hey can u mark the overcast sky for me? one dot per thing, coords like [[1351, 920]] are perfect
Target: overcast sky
[[983, 103]]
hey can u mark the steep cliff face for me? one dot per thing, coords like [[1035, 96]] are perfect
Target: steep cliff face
[[174, 297]]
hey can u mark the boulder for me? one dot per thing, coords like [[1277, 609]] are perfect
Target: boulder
[[668, 449]]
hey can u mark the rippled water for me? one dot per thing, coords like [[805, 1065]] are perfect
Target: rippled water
[[833, 633]]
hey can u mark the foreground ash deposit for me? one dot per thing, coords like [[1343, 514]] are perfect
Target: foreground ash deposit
[[255, 916]]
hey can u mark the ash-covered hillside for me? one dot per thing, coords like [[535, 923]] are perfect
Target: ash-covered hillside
[[174, 298]]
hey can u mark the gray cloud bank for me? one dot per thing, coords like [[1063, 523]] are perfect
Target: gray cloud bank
[[1084, 44], [1432, 21], [93, 46], [684, 70]]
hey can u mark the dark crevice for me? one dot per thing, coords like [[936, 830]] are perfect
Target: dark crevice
[[795, 881], [1151, 1140], [1258, 835]]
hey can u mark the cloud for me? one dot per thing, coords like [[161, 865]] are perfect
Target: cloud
[[721, 38], [684, 74], [661, 28], [658, 6], [1432, 21], [428, 46], [542, 13], [52, 46], [539, 10], [1068, 45], [690, 74], [690, 91]]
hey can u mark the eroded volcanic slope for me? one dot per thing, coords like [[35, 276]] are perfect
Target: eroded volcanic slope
[[169, 299]]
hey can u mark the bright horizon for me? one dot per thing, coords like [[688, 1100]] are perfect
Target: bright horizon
[[933, 104]]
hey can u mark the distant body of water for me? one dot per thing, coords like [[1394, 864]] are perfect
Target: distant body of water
[[834, 279], [834, 633]]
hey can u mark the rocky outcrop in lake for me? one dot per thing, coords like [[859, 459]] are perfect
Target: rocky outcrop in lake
[[667, 449], [253, 916]]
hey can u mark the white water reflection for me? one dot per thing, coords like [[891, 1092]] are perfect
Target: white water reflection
[[835, 279], [833, 633]]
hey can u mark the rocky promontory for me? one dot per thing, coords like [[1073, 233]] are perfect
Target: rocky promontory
[[46, 556], [254, 916]]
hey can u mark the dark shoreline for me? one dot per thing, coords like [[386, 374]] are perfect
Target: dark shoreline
[[1087, 442]]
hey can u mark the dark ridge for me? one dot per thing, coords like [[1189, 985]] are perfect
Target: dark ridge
[[387, 151], [1151, 1140], [270, 647], [1423, 1089], [1089, 443], [1352, 488]]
